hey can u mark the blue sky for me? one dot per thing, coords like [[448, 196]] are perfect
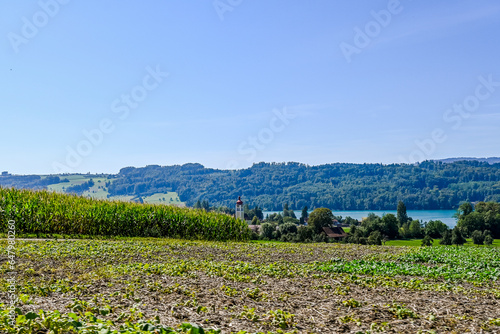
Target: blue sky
[[233, 82]]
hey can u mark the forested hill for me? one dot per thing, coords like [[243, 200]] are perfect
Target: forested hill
[[492, 160], [341, 186]]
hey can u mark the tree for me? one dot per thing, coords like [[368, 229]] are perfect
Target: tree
[[471, 222], [390, 226], [285, 210], [402, 215], [275, 217], [304, 215], [404, 231], [372, 223], [255, 220], [319, 218], [490, 212], [435, 228], [358, 235], [291, 220], [375, 238], [446, 238], [258, 212], [465, 209], [456, 237], [477, 237], [350, 221], [288, 228], [266, 231], [427, 241], [488, 240], [415, 229]]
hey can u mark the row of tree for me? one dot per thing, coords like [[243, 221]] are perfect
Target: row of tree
[[480, 224], [483, 216]]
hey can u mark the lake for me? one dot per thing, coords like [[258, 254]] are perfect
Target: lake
[[446, 216]]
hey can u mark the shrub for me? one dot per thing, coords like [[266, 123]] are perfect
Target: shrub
[[320, 238], [427, 241], [305, 233], [375, 238]]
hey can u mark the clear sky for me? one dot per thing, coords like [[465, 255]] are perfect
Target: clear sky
[[93, 86]]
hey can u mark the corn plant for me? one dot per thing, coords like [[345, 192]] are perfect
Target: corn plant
[[44, 212]]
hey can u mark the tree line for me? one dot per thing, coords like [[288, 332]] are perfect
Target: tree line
[[341, 186], [480, 222]]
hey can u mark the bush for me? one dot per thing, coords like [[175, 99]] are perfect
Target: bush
[[289, 237], [362, 241], [305, 233], [488, 240], [427, 241], [375, 238], [320, 237]]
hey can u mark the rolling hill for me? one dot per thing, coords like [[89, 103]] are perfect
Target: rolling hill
[[342, 186]]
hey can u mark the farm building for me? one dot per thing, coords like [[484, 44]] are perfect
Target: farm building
[[336, 232]]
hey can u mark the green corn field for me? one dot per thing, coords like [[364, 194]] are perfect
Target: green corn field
[[53, 213]]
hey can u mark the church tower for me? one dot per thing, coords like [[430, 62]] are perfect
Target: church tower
[[239, 209]]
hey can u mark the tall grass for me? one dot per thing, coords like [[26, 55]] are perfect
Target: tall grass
[[48, 212]]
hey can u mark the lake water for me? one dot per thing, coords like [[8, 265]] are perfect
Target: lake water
[[446, 216]]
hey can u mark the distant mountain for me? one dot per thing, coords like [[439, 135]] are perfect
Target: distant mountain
[[492, 160]]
